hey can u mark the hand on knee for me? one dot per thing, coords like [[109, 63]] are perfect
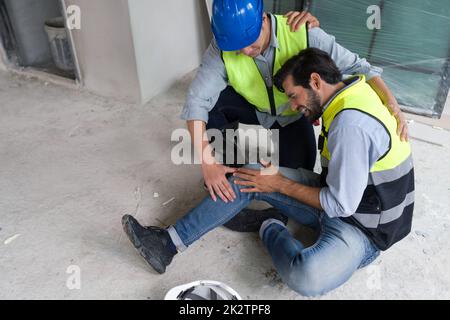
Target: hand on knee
[[237, 189]]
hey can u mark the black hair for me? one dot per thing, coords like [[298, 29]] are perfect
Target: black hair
[[303, 64]]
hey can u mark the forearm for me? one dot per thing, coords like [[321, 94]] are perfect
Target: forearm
[[305, 194], [202, 149], [380, 87], [391, 104]]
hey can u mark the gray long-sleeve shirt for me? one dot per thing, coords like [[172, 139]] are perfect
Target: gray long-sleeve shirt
[[212, 78]]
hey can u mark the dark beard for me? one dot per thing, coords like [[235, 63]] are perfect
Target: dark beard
[[314, 106]]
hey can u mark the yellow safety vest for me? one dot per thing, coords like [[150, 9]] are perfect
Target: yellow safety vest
[[385, 211]]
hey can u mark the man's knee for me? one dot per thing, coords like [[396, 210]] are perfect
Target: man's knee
[[237, 189], [307, 282]]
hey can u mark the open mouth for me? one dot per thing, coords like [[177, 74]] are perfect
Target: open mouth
[[304, 110]]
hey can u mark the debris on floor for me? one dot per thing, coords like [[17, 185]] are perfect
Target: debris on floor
[[11, 239], [168, 201]]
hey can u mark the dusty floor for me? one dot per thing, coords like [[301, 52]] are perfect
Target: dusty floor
[[71, 164]]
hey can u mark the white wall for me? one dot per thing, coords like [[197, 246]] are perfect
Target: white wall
[[105, 49], [169, 37], [2, 58], [209, 6]]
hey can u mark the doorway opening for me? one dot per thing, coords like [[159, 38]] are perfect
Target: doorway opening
[[34, 35]]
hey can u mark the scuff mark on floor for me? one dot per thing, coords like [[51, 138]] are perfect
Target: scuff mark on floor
[[11, 239], [274, 278]]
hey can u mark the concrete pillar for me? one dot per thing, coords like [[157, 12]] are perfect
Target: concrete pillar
[[105, 51], [135, 49], [169, 39]]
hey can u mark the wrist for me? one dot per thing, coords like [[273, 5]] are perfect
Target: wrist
[[208, 161], [207, 156], [284, 185]]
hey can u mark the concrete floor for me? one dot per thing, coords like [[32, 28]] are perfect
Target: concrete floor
[[71, 164]]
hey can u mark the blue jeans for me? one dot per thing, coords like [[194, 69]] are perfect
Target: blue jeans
[[339, 251]]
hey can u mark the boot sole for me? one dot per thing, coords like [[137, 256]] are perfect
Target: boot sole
[[144, 252]]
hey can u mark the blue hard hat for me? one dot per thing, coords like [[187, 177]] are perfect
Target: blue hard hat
[[236, 24]]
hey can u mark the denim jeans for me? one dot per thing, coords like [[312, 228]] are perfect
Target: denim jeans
[[339, 251]]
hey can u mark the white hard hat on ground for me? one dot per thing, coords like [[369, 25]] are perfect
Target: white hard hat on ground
[[202, 290]]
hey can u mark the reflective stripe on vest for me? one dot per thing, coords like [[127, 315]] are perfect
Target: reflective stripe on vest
[[385, 211], [245, 78]]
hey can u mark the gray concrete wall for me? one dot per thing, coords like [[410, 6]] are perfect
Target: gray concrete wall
[[169, 38], [209, 6], [135, 49], [28, 19], [105, 49], [3, 58]]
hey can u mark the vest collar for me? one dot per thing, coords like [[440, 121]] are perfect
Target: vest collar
[[350, 82], [273, 36]]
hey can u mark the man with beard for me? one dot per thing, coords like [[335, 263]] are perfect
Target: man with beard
[[361, 203]]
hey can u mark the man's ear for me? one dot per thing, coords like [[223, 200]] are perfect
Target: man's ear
[[315, 81]]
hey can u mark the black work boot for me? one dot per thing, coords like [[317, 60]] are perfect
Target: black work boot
[[249, 220], [152, 243]]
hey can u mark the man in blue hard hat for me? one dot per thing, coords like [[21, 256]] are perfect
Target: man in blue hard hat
[[234, 84]]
